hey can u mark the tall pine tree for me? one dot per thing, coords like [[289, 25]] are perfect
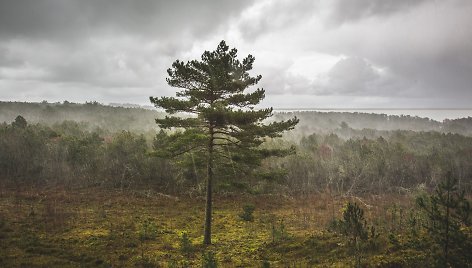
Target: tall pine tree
[[222, 114]]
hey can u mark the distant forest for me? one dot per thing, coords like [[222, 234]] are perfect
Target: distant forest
[[348, 153], [93, 115]]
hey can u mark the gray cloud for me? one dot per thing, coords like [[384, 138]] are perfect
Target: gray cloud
[[351, 76], [74, 19], [391, 52], [427, 49], [7, 59], [267, 16], [111, 44], [348, 11], [287, 83], [424, 48]]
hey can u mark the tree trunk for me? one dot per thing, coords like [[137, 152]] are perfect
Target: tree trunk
[[208, 207], [446, 244]]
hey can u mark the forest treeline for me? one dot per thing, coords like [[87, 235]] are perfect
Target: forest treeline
[[346, 161], [138, 119], [91, 115], [372, 124]]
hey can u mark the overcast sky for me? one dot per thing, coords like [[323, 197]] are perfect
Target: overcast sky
[[312, 53]]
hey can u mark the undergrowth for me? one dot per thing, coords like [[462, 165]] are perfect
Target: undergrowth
[[109, 229]]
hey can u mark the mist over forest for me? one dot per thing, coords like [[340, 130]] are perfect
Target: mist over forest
[[136, 118], [345, 152]]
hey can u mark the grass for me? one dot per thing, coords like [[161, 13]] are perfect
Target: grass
[[94, 227]]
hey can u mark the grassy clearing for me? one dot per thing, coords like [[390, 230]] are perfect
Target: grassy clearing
[[57, 228]]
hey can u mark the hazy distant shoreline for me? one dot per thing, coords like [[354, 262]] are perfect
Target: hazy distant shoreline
[[438, 114], [368, 109]]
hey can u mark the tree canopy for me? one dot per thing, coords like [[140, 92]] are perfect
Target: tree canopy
[[215, 113]]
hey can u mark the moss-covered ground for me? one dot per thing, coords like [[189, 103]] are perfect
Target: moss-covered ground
[[98, 228]]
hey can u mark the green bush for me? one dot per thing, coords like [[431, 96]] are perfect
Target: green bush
[[354, 226], [247, 214], [265, 264], [147, 230], [334, 225], [209, 260], [186, 246], [279, 233], [353, 223]]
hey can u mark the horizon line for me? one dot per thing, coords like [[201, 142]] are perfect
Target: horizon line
[[366, 109], [274, 107]]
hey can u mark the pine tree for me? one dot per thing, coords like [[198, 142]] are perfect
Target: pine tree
[[20, 122], [448, 211], [223, 117]]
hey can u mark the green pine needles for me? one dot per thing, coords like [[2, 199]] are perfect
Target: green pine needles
[[224, 118], [448, 213]]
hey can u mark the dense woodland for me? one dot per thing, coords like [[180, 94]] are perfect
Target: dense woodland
[[357, 190], [346, 160]]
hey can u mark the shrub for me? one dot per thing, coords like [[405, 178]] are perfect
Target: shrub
[[279, 233], [185, 243], [247, 214], [334, 225], [353, 223], [147, 230], [209, 260], [144, 261], [354, 226], [265, 264]]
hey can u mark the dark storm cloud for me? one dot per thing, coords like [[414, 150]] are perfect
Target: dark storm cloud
[[101, 43], [63, 19]]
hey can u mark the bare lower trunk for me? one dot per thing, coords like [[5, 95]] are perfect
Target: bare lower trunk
[[208, 206], [446, 244]]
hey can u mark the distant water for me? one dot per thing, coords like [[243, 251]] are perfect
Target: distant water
[[435, 114]]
